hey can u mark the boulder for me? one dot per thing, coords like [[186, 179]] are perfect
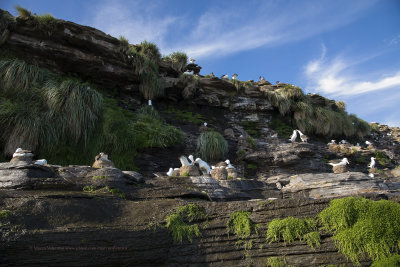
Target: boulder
[[340, 169], [134, 176], [229, 133], [219, 174], [191, 170]]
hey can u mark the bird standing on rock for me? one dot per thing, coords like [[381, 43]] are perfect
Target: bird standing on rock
[[184, 161], [171, 170], [372, 163], [293, 137], [191, 60], [343, 162], [204, 167], [234, 76], [225, 77]]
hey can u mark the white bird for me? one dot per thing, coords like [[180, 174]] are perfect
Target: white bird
[[371, 175], [368, 143], [343, 162], [41, 162], [204, 167], [262, 78], [293, 137], [241, 136], [171, 170], [205, 124], [332, 142], [225, 76], [372, 163], [192, 60], [150, 103], [184, 161], [234, 76], [212, 167], [274, 135], [343, 142], [358, 144], [191, 159], [189, 72], [18, 150], [230, 166], [303, 137], [22, 153]]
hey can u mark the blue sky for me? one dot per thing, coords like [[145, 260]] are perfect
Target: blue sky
[[345, 50]]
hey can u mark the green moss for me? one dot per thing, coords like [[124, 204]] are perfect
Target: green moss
[[251, 128], [252, 166], [89, 188], [99, 177], [251, 141], [392, 261], [211, 145], [185, 174], [290, 229], [363, 227], [5, 214], [180, 223], [240, 224], [183, 115], [241, 153], [382, 158], [281, 127], [275, 262]]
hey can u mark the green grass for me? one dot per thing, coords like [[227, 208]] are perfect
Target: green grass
[[211, 145], [382, 158], [291, 229], [124, 41], [180, 223], [99, 177], [363, 227], [183, 115], [241, 85], [23, 12], [313, 239], [251, 128], [241, 153], [106, 189], [5, 214], [314, 114], [251, 141], [150, 50], [89, 188], [178, 60], [275, 262], [45, 19], [240, 224], [68, 121], [392, 261], [281, 127]]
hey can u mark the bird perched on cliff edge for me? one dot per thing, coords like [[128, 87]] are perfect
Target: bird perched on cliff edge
[[191, 60], [303, 137], [343, 162], [293, 137], [234, 76], [204, 167], [225, 77], [372, 163], [184, 161]]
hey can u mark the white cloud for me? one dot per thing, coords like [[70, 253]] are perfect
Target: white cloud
[[224, 28], [336, 78]]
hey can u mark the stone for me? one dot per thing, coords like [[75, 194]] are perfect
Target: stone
[[191, 170], [219, 174], [22, 159], [134, 176], [229, 133], [340, 169]]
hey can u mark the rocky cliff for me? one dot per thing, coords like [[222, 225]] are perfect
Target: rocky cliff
[[79, 215]]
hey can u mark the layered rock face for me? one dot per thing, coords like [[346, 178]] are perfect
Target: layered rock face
[[80, 215]]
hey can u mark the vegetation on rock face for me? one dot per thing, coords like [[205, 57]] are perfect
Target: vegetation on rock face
[[178, 222], [23, 12], [363, 227], [290, 229], [392, 261], [211, 145], [241, 85], [251, 128], [178, 60], [275, 262], [314, 114], [240, 224], [68, 122], [281, 127], [183, 115]]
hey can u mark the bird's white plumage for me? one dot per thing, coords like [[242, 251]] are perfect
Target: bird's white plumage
[[372, 163], [204, 167], [184, 161], [189, 72], [191, 60], [234, 76], [170, 171], [205, 124], [293, 137], [150, 103], [332, 142], [41, 162], [303, 137], [343, 142], [368, 143], [225, 76], [371, 175], [343, 162]]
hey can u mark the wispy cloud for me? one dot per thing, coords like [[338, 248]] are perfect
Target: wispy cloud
[[336, 77], [224, 29]]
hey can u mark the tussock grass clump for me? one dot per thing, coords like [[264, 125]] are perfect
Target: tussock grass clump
[[363, 227], [290, 229], [180, 223], [23, 12], [45, 19], [150, 86], [241, 85], [124, 41], [240, 224], [178, 60], [392, 261], [275, 262], [149, 49], [211, 145], [314, 114]]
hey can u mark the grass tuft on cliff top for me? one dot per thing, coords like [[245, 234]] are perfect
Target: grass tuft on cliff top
[[178, 60]]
